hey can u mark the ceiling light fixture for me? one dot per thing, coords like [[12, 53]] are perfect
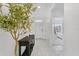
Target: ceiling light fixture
[[38, 6]]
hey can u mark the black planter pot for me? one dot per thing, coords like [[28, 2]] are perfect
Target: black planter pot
[[29, 42]]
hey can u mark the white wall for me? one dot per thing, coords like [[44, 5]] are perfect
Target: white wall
[[6, 44], [71, 29]]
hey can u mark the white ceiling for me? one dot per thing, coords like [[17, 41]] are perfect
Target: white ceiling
[[43, 11], [46, 9]]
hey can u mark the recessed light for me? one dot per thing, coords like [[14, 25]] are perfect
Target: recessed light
[[38, 6]]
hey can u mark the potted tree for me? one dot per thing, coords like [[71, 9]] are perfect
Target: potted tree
[[17, 19]]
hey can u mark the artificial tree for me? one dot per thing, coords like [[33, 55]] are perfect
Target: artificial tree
[[17, 19]]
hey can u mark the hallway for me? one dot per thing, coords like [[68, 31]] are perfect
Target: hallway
[[41, 48]]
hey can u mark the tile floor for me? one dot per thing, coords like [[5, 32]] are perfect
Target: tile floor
[[41, 48]]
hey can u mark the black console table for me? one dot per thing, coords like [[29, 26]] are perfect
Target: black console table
[[28, 42]]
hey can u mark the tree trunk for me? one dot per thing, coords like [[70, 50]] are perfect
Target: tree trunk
[[16, 48], [15, 37]]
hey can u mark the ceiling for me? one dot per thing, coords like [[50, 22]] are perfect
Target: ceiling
[[46, 9], [43, 11]]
